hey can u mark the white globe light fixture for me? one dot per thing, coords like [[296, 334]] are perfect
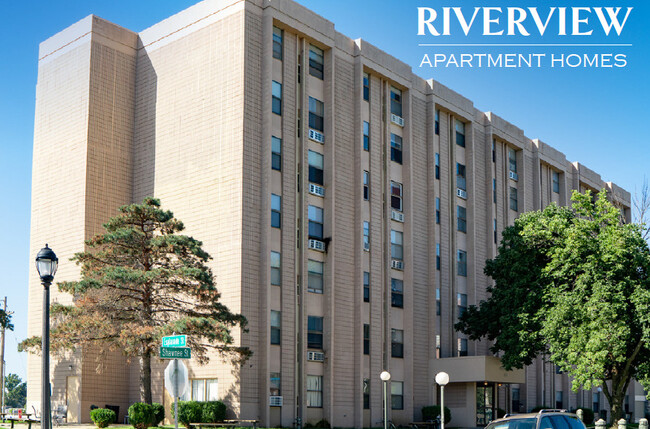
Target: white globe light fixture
[[442, 378], [385, 376]]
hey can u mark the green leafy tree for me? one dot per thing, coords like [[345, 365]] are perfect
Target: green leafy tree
[[5, 320], [572, 283], [15, 391], [142, 280]]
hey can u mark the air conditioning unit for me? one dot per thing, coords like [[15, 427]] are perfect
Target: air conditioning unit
[[316, 245], [316, 190], [397, 265], [461, 193], [398, 120], [275, 401], [514, 176], [316, 136], [397, 216], [316, 356]]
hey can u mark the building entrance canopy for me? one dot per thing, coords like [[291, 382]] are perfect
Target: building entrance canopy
[[469, 369]]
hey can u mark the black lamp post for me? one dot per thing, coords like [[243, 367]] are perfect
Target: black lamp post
[[46, 264]]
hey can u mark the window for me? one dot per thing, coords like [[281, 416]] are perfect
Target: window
[[395, 148], [396, 101], [277, 43], [315, 160], [460, 133], [276, 211], [366, 87], [396, 196], [397, 343], [366, 393], [397, 293], [512, 160], [396, 245], [494, 150], [462, 347], [461, 213], [396, 395], [366, 286], [366, 136], [516, 399], [556, 182], [495, 230], [437, 211], [315, 215], [315, 391], [437, 301], [276, 153], [276, 326], [316, 113], [558, 400], [437, 346], [513, 199], [494, 190], [437, 166], [204, 390], [461, 302], [437, 124], [315, 276], [315, 61], [366, 235], [438, 256], [275, 383], [366, 185], [461, 183], [276, 274], [276, 103], [314, 332], [596, 402], [461, 263], [366, 339]]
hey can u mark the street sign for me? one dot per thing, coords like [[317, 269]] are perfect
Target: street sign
[[176, 378], [175, 341], [175, 353]]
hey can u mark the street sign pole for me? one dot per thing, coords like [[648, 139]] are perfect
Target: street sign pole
[[176, 396]]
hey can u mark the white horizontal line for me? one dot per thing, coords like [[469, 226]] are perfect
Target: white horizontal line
[[528, 44]]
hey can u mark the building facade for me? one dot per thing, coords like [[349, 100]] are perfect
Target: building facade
[[349, 206]]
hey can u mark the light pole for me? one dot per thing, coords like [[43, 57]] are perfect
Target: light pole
[[46, 265], [385, 376], [442, 378]]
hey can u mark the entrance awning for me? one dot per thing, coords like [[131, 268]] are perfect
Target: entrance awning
[[469, 369]]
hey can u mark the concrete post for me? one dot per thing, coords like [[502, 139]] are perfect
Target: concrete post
[[580, 414], [622, 424], [601, 424], [643, 423]]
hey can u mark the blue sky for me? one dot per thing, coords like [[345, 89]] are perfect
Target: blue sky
[[594, 115]]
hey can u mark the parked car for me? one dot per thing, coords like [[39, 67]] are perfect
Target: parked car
[[544, 419]]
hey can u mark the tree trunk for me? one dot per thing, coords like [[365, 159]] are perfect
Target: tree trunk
[[615, 398], [145, 378]]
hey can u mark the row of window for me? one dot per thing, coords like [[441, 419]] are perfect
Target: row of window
[[316, 55], [314, 330]]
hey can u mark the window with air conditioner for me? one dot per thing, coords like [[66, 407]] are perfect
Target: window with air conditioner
[[396, 101], [397, 293], [276, 153], [316, 161], [277, 43], [396, 148], [461, 182], [315, 215], [316, 114], [316, 61], [396, 245], [276, 271], [276, 211], [460, 133], [396, 196], [314, 332], [276, 98], [276, 325], [315, 277]]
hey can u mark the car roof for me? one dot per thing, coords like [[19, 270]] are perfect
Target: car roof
[[534, 415]]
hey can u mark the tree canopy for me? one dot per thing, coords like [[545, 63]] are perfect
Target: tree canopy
[[572, 283], [5, 320], [142, 280], [15, 391]]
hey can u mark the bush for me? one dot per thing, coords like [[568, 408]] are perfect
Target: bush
[[158, 413], [189, 412], [500, 413], [432, 412], [539, 407], [321, 424], [103, 417], [587, 416], [141, 415], [213, 411]]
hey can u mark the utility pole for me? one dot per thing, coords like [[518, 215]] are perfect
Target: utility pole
[[2, 359]]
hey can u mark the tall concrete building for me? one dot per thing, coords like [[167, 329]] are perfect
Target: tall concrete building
[[349, 206]]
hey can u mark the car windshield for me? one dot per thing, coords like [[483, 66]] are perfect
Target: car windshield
[[524, 423]]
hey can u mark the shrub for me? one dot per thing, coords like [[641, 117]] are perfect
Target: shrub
[[189, 412], [587, 416], [432, 412], [213, 411], [141, 415], [539, 407], [102, 417], [158, 413], [500, 413]]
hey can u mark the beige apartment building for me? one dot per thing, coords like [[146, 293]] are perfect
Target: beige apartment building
[[349, 206]]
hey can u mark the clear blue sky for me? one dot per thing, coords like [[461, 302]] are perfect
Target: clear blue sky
[[595, 116]]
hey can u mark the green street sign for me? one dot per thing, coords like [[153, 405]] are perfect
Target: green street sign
[[175, 341], [175, 353]]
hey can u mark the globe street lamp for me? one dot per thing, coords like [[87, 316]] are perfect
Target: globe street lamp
[[442, 378], [385, 376], [46, 265]]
